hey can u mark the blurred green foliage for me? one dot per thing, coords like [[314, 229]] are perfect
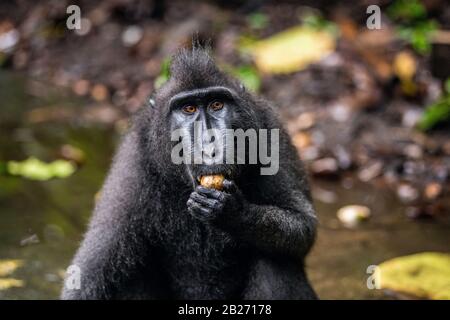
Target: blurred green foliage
[[413, 24], [317, 22], [407, 10], [418, 35], [438, 112], [35, 169], [164, 73], [248, 75], [258, 21]]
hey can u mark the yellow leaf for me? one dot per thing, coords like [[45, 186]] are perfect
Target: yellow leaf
[[424, 275], [405, 68], [9, 266], [405, 65], [292, 50], [10, 283]]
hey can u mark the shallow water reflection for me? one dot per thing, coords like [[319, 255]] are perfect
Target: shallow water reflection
[[42, 223]]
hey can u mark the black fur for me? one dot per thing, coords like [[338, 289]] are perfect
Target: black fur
[[143, 242]]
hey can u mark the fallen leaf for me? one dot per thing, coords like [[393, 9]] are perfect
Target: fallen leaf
[[35, 169], [10, 283], [292, 50], [9, 266], [424, 275]]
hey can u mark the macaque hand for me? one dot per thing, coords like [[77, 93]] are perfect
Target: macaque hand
[[207, 204]]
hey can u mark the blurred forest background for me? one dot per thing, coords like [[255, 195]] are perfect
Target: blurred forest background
[[368, 110]]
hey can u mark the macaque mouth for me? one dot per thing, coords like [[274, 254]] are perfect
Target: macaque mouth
[[212, 176], [199, 177], [228, 171], [204, 175], [214, 181]]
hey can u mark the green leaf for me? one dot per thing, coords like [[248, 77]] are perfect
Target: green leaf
[[435, 114], [407, 10], [447, 86], [35, 169], [164, 74], [418, 35], [258, 20], [249, 76]]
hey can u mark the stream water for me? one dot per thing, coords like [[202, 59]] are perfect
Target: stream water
[[42, 222]]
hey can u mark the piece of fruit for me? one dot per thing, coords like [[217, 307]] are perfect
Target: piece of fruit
[[213, 181]]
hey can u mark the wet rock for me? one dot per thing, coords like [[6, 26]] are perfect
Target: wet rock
[[301, 140], [8, 40], [412, 169], [441, 172], [351, 216], [407, 193], [433, 190], [343, 157], [81, 87], [305, 121], [99, 92], [413, 151], [422, 212], [325, 167], [391, 176], [323, 195], [370, 171], [310, 153], [340, 112], [415, 213], [411, 117], [132, 35]]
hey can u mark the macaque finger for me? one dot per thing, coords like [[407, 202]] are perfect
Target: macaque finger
[[229, 186]]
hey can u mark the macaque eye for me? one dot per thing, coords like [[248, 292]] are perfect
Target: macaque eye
[[216, 105], [189, 109]]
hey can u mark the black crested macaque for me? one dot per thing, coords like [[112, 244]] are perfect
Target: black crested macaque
[[157, 233]]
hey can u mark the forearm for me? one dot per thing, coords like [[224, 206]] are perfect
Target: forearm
[[275, 230], [106, 260], [94, 262], [286, 226]]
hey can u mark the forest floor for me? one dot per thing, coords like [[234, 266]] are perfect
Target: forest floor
[[351, 113]]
